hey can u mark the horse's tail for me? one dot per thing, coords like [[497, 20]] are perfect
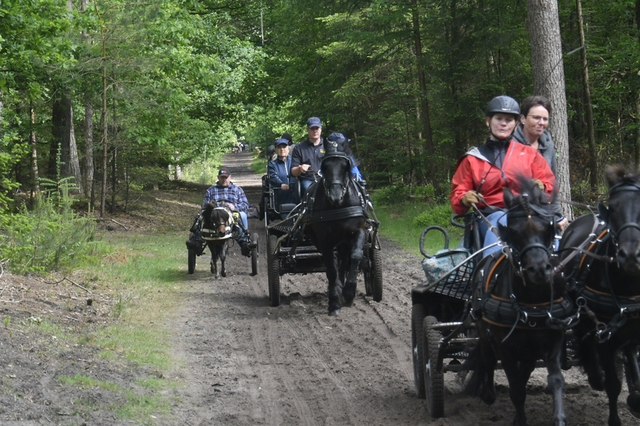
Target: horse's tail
[[475, 384]]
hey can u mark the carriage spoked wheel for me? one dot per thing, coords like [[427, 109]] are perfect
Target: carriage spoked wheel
[[273, 267], [418, 313], [373, 275], [254, 254], [192, 261], [433, 376]]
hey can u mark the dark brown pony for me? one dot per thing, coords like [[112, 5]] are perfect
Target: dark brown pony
[[217, 224], [606, 281], [338, 227], [520, 313]]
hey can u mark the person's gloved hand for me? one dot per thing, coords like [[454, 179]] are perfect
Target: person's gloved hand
[[539, 183], [471, 197]]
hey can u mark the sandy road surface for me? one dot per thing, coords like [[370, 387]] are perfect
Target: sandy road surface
[[247, 363]]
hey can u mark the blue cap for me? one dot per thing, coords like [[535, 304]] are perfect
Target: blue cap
[[281, 141], [314, 122], [336, 137]]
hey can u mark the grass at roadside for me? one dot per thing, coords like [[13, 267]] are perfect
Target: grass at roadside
[[143, 274], [399, 223]]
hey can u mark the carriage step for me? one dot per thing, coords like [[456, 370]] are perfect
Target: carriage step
[[445, 325]]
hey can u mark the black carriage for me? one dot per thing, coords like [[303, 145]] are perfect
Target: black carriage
[[199, 236], [291, 250]]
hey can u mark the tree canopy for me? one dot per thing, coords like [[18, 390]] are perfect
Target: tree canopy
[[185, 76]]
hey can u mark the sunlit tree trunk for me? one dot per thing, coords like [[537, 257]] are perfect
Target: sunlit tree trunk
[[34, 156], [548, 80]]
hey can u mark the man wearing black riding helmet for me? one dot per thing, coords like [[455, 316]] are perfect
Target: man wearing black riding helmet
[[483, 172]]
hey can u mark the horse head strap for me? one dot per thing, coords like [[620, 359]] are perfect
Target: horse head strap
[[625, 185]]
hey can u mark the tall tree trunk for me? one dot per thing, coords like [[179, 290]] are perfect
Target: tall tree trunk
[[424, 101], [103, 196], [548, 80], [34, 156], [88, 167], [593, 161], [64, 137]]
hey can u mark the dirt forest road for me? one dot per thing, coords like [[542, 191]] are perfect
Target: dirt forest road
[[247, 363]]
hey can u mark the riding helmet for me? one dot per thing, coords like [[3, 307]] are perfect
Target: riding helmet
[[503, 105]]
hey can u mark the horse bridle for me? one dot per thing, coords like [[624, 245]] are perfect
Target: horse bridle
[[622, 186], [515, 256], [343, 183]]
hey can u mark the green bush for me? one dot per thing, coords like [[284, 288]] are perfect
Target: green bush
[[51, 236], [438, 214]]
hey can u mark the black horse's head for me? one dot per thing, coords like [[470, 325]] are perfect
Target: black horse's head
[[622, 216], [336, 175], [530, 232], [217, 219]]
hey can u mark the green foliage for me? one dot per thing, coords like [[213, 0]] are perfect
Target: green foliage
[[51, 236], [438, 214]]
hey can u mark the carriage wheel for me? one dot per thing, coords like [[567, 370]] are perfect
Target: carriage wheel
[[418, 313], [433, 377], [192, 261], [376, 274], [254, 254], [273, 266]]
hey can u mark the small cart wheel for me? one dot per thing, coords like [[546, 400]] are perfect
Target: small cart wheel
[[273, 266], [418, 313], [192, 261], [433, 376], [254, 254]]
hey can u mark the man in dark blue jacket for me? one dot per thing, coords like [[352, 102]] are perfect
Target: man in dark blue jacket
[[279, 171]]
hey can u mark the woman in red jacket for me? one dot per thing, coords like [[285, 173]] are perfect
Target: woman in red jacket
[[483, 171]]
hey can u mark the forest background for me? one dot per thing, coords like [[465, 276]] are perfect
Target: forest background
[[102, 98]]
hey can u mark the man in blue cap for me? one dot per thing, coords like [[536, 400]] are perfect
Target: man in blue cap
[[280, 173], [307, 155]]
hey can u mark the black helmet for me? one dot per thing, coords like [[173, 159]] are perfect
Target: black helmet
[[502, 105], [271, 149]]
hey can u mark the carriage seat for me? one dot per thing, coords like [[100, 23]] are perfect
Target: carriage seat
[[285, 209]]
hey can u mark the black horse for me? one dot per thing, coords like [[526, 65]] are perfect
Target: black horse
[[338, 226], [520, 313], [606, 277], [217, 226]]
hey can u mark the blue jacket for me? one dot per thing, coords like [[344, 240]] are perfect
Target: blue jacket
[[279, 173]]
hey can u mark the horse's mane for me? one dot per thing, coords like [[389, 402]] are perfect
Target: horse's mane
[[621, 174]]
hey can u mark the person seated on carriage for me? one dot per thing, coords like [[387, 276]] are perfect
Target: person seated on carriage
[[343, 146], [307, 155], [483, 172], [532, 130], [280, 177], [235, 199]]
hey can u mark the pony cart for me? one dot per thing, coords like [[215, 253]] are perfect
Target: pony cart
[[477, 313], [215, 227], [333, 230]]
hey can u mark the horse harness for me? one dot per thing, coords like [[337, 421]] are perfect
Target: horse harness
[[218, 234], [555, 314], [599, 304]]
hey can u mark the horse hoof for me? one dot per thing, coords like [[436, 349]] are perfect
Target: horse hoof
[[633, 401], [224, 274], [334, 313], [348, 302]]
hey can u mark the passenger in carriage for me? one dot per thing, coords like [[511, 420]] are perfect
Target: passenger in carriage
[[343, 146], [234, 198], [484, 171], [532, 130], [279, 171], [307, 155]]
